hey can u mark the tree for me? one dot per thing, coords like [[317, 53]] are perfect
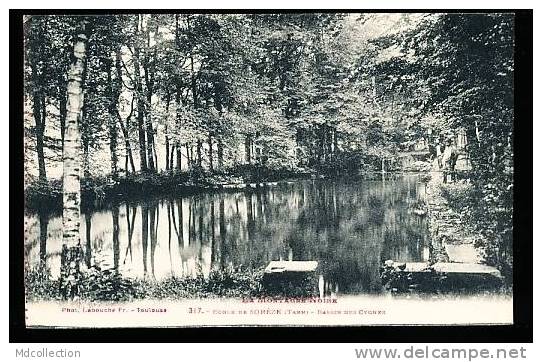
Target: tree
[[139, 94], [71, 247]]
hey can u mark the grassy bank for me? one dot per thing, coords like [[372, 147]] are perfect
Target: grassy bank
[[109, 285]]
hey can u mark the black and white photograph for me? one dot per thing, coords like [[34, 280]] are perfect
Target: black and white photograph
[[192, 169]]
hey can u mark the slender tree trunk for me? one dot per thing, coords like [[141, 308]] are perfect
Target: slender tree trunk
[[335, 143], [112, 122], [149, 85], [198, 152], [210, 142], [128, 148], [329, 143], [172, 157], [63, 103], [248, 148], [193, 83], [84, 127], [88, 238], [129, 156], [85, 143], [155, 155], [168, 96], [188, 155], [194, 92], [179, 158], [178, 123], [140, 103], [319, 146], [142, 143], [324, 143], [219, 143], [477, 132], [167, 152], [70, 274], [40, 129], [150, 136], [38, 101], [220, 154]]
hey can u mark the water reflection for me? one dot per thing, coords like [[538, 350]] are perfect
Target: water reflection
[[44, 222], [350, 227]]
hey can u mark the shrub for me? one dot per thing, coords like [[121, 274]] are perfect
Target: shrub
[[487, 210]]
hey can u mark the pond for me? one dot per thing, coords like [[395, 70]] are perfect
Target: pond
[[349, 226]]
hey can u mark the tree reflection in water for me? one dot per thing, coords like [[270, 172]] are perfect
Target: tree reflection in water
[[349, 226]]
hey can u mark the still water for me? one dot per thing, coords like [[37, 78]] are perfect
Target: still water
[[348, 226]]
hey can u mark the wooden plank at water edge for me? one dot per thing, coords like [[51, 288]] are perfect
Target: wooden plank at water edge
[[467, 269], [291, 266], [468, 276], [291, 278]]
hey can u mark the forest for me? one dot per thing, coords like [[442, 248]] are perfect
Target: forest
[[118, 107]]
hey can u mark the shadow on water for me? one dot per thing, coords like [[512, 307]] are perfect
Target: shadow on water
[[348, 226]]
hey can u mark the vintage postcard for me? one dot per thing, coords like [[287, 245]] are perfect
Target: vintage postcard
[[269, 168]]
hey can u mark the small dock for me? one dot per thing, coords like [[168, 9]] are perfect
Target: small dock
[[441, 276]]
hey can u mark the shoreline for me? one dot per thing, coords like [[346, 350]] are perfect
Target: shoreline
[[98, 193]]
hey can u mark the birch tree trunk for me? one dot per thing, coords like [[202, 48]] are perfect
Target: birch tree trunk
[[70, 275]]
